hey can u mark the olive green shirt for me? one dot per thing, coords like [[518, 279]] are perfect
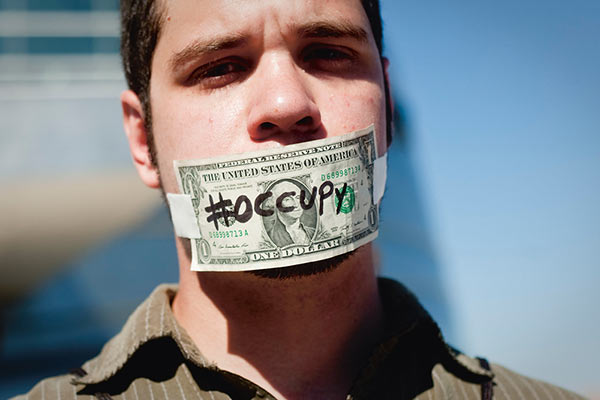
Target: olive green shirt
[[154, 358]]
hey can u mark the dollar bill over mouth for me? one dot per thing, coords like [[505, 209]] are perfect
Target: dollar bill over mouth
[[281, 207]]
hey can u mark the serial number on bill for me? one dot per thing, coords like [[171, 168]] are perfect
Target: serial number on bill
[[232, 233], [341, 173]]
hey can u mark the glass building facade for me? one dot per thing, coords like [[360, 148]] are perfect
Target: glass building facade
[[59, 27]]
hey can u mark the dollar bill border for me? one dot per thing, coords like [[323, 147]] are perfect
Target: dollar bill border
[[279, 256]]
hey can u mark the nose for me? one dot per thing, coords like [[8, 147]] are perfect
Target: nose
[[282, 106]]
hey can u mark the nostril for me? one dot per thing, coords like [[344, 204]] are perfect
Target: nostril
[[306, 121], [267, 126]]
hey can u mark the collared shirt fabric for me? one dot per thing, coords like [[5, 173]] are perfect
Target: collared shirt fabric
[[154, 358]]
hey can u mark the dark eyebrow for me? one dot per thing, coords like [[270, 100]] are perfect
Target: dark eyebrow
[[202, 47], [317, 29], [332, 29]]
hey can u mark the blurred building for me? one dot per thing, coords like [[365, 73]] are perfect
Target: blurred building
[[63, 156]]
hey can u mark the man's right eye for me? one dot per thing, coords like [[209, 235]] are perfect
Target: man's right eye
[[217, 74]]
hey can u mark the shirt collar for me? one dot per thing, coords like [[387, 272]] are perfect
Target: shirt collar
[[154, 319], [404, 313]]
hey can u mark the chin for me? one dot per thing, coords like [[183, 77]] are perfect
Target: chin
[[303, 270], [296, 214]]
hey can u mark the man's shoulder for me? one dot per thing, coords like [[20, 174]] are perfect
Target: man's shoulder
[[505, 385], [442, 371], [512, 385], [151, 320], [57, 387]]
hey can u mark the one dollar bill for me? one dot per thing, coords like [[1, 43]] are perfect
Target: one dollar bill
[[283, 206]]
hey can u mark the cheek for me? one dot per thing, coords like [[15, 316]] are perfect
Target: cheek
[[194, 128], [187, 127], [356, 109]]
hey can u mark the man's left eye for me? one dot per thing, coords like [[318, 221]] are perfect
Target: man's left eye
[[328, 57]]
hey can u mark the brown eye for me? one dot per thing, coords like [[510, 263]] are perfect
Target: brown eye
[[325, 53], [218, 74], [222, 69], [328, 58]]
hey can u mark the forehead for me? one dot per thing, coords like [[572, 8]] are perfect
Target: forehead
[[285, 186], [187, 19]]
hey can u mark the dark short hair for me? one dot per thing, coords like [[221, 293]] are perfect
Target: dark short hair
[[141, 22]]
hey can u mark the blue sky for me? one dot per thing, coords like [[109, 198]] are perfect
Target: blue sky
[[503, 101]]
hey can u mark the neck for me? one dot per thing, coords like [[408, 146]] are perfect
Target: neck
[[297, 338]]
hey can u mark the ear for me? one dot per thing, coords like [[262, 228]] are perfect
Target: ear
[[133, 122], [389, 100]]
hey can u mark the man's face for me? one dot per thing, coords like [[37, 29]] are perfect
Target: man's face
[[288, 201], [233, 76]]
